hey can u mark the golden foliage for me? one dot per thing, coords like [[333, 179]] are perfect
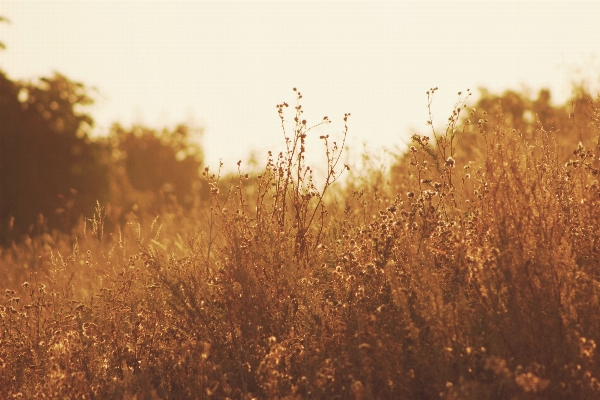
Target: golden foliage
[[470, 272]]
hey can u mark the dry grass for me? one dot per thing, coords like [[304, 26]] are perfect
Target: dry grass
[[455, 278]]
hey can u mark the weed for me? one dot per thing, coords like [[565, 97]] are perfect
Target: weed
[[470, 271]]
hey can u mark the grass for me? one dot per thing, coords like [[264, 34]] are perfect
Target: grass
[[471, 271]]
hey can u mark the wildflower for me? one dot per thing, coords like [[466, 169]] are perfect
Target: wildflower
[[529, 382], [450, 162], [360, 293]]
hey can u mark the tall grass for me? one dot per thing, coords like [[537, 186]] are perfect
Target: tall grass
[[451, 278]]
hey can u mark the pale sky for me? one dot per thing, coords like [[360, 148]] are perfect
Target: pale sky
[[225, 66]]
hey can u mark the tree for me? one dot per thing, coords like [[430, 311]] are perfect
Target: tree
[[48, 164], [5, 20], [150, 167]]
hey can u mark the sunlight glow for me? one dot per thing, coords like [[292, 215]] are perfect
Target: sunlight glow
[[224, 66]]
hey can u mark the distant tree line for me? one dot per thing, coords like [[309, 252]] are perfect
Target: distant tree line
[[526, 114], [52, 172]]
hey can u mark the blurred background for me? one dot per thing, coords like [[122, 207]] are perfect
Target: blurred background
[[123, 102]]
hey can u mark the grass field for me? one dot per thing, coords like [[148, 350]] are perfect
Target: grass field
[[469, 270]]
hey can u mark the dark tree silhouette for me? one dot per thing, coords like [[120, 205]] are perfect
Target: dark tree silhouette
[[48, 165]]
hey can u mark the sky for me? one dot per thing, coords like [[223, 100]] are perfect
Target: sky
[[224, 67]]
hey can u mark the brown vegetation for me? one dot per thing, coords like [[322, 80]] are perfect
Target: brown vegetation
[[470, 272]]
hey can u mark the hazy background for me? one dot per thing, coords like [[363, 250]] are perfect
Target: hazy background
[[224, 66]]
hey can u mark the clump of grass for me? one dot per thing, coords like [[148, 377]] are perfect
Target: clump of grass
[[452, 277]]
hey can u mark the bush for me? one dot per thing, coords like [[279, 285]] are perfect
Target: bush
[[52, 173], [477, 280]]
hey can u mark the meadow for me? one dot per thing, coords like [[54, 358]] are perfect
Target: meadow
[[468, 269]]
